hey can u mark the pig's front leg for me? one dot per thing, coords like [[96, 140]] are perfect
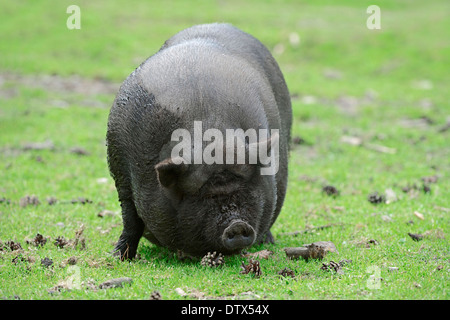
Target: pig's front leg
[[133, 228]]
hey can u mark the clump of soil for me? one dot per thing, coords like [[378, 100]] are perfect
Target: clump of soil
[[46, 262], [252, 268], [71, 261], [81, 200], [376, 198], [80, 151], [298, 140], [330, 190], [51, 200], [79, 242], [415, 237], [60, 242], [29, 200], [11, 245], [38, 241], [212, 260]]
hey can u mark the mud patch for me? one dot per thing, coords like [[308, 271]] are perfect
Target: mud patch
[[70, 85]]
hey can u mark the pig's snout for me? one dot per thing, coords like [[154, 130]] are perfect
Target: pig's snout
[[238, 235]]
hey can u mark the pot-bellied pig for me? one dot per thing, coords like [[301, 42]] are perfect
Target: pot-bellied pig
[[197, 144]]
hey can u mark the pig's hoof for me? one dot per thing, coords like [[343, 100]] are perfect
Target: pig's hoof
[[269, 238], [124, 251]]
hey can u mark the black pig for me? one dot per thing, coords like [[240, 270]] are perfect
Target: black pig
[[222, 78]]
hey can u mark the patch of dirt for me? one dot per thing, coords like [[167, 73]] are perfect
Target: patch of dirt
[[73, 84], [46, 145], [311, 229]]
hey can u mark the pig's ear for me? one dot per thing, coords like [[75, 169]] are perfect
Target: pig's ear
[[272, 141], [265, 145], [170, 170]]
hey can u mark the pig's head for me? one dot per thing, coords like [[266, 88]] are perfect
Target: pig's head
[[217, 207]]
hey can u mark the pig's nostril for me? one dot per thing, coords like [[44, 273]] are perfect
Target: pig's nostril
[[238, 235]]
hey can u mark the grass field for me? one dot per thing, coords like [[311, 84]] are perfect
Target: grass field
[[371, 114]]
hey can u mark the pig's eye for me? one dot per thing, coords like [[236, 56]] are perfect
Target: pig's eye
[[242, 171], [221, 183]]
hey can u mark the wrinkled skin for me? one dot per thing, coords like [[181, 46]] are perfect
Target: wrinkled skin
[[227, 79]]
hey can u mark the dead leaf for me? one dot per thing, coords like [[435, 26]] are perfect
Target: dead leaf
[[354, 141], [263, 254], [418, 215]]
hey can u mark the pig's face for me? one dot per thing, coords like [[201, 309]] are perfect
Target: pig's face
[[218, 207]]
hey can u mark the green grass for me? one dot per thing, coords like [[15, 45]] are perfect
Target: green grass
[[384, 75]]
